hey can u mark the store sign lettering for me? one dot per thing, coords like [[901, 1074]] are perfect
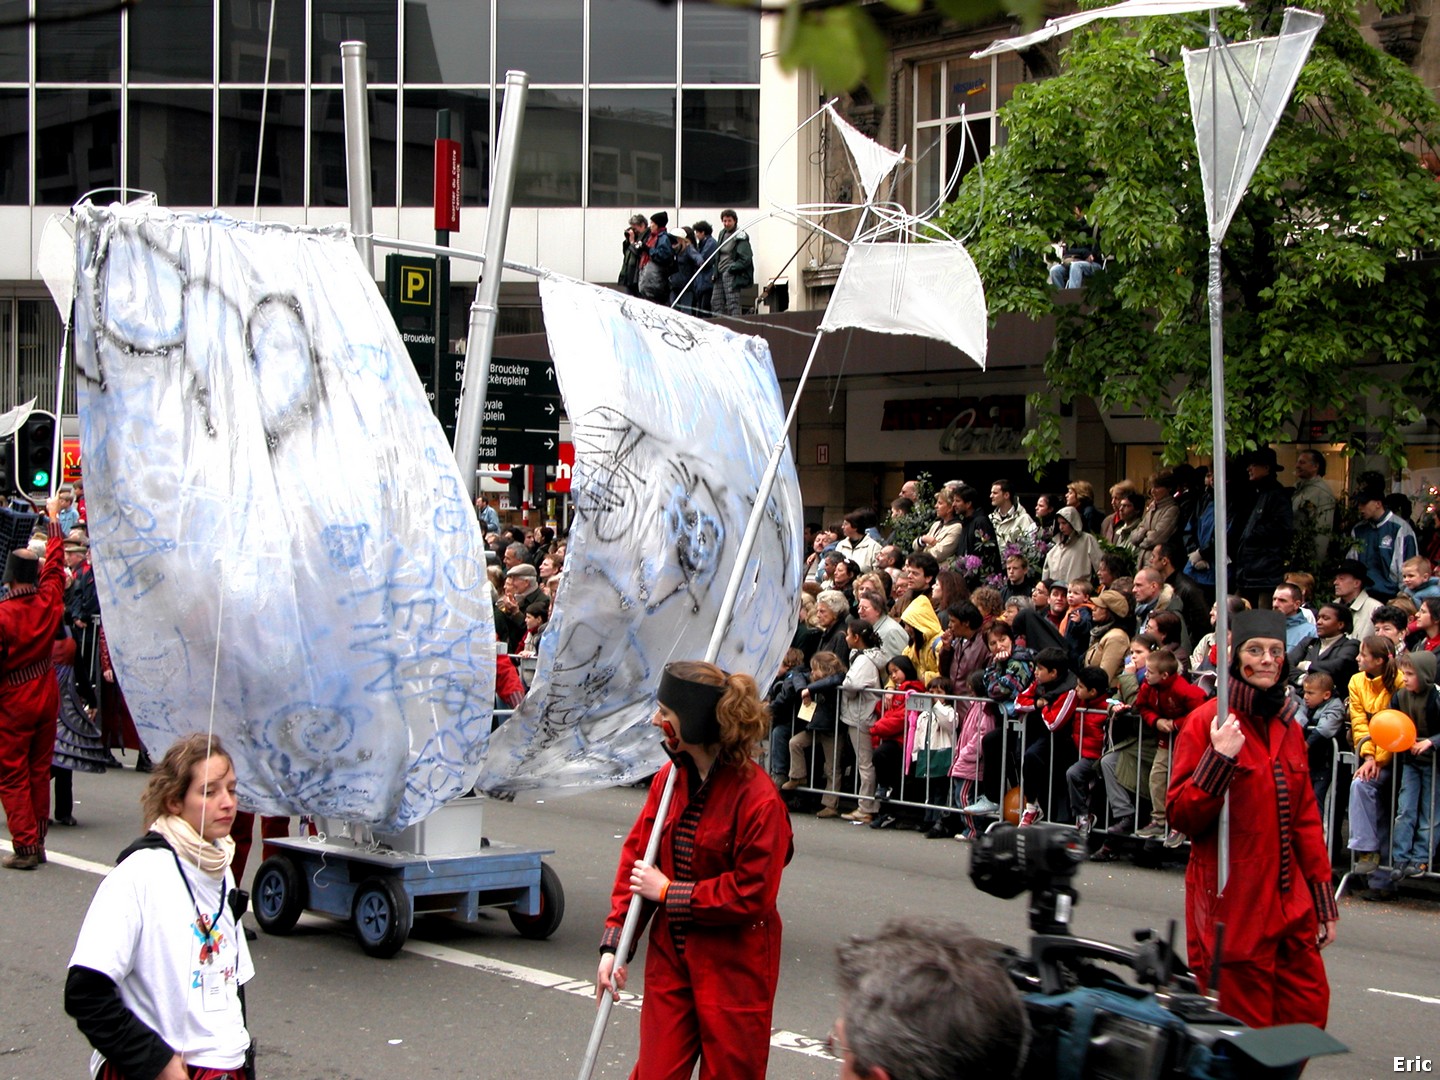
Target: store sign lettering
[[994, 424]]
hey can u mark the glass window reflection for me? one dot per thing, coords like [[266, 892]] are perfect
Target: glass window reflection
[[169, 145], [244, 30], [722, 45], [77, 46], [327, 148], [542, 37], [548, 171], [170, 41], [469, 126], [632, 147], [77, 144], [632, 41], [371, 21], [14, 147], [14, 41], [447, 41], [281, 177], [720, 148]]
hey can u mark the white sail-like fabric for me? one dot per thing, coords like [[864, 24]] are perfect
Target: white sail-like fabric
[[279, 530], [1238, 93], [1129, 9], [926, 289], [873, 162], [673, 419]]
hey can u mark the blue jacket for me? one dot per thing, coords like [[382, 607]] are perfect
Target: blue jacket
[[1426, 591], [1383, 546], [705, 249]]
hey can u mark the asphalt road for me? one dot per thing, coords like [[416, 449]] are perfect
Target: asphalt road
[[479, 1001]]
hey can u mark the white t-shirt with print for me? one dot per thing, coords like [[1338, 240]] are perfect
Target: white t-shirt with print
[[142, 931]]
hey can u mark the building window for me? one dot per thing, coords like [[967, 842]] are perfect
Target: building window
[[14, 41], [633, 41], [545, 38], [374, 22], [327, 148], [169, 145], [14, 147], [281, 176], [447, 41], [632, 148], [171, 41], [77, 143], [469, 126], [610, 82], [720, 148], [549, 161], [244, 32], [77, 46], [955, 123]]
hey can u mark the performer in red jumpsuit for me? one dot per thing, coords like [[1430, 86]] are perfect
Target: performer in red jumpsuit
[[1277, 908], [29, 695], [714, 956]]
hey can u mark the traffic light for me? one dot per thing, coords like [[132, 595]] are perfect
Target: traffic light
[[34, 452]]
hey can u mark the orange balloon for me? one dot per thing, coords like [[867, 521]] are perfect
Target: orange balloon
[[1012, 806], [1392, 730]]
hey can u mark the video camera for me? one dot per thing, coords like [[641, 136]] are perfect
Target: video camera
[[1092, 1023]]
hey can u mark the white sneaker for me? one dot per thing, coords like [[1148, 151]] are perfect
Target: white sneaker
[[1084, 823], [982, 805]]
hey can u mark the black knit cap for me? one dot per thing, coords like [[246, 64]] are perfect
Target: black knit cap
[[21, 568], [694, 703], [661, 218], [1256, 624]]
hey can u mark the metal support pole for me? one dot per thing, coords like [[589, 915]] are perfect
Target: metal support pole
[[1222, 554], [357, 151], [484, 312], [59, 406]]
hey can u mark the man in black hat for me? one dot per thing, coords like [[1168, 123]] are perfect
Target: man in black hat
[[1263, 542], [1262, 870], [1352, 580]]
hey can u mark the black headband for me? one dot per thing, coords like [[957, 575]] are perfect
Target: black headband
[[694, 703]]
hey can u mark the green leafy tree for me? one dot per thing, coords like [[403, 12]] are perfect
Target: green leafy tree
[[1329, 301]]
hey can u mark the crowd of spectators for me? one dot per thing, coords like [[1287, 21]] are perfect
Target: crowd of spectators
[[919, 637]]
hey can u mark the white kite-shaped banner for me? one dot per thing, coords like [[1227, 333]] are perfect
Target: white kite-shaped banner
[[926, 289], [1238, 93], [873, 162], [674, 419], [1063, 24], [279, 529]]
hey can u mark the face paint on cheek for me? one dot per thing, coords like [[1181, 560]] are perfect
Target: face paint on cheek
[[1248, 670], [671, 737]]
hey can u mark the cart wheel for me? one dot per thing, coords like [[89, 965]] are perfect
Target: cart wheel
[[279, 894], [382, 916], [552, 908]]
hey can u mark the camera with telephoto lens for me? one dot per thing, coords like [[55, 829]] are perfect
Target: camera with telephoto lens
[[1110, 1012]]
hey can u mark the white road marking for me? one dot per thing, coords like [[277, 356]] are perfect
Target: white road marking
[[1400, 994], [781, 1040]]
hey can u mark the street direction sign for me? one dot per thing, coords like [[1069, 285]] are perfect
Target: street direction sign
[[519, 447], [523, 412]]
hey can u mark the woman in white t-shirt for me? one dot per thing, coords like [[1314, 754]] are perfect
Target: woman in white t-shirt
[[155, 980]]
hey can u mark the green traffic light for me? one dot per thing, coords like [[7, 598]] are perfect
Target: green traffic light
[[40, 479]]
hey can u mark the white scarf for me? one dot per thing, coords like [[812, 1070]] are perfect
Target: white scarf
[[212, 859]]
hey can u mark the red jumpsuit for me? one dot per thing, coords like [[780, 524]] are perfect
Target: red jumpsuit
[[1271, 972], [714, 957], [30, 697]]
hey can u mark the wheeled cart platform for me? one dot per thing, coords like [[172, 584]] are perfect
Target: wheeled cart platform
[[381, 892]]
